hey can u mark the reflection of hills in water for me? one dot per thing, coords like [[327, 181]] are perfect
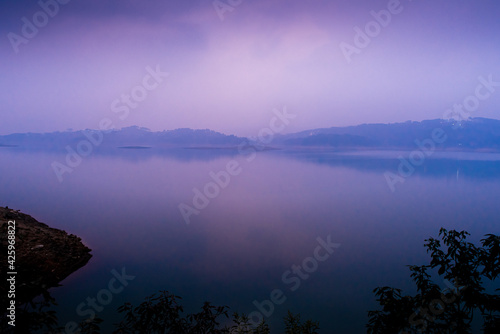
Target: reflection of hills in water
[[440, 164], [137, 154], [180, 154], [472, 165]]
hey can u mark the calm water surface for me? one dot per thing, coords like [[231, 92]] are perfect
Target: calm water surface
[[124, 205]]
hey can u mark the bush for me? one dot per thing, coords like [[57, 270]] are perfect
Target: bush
[[433, 310]]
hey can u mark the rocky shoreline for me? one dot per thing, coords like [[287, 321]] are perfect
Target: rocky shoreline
[[44, 256]]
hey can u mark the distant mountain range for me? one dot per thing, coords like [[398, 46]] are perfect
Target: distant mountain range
[[130, 137], [472, 134]]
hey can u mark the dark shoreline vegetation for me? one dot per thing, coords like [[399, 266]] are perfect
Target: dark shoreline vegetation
[[44, 256], [462, 265], [41, 257], [464, 268]]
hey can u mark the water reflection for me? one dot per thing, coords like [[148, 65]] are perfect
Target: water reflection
[[124, 205], [440, 164]]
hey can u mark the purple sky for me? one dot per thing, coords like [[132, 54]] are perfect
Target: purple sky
[[228, 75]]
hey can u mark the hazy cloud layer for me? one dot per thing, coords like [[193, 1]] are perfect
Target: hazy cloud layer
[[228, 74]]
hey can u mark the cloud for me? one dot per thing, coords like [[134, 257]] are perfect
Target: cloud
[[228, 75]]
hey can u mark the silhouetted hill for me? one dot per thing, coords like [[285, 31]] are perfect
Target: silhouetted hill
[[127, 137], [333, 140], [473, 134]]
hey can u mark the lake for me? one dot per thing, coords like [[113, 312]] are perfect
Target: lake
[[331, 213]]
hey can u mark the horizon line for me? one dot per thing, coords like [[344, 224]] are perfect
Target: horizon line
[[71, 130]]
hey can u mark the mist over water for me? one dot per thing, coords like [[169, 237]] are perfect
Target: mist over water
[[266, 220]]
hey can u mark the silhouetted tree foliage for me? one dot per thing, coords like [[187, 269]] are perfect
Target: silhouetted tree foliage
[[159, 313], [433, 310], [33, 317], [243, 326], [162, 313], [294, 326]]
